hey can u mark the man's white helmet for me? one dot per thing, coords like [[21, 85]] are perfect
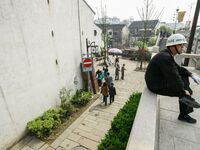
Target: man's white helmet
[[176, 39]]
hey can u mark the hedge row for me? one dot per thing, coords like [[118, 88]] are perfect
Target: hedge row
[[117, 137]]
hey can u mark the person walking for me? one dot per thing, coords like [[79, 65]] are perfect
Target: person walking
[[105, 92], [165, 77], [109, 80], [122, 71], [116, 61], [112, 93], [99, 78], [117, 69]]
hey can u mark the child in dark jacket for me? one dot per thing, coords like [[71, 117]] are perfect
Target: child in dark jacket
[[112, 93], [105, 92]]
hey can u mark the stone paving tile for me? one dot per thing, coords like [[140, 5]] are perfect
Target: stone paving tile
[[169, 103], [74, 137], [103, 121], [177, 130], [172, 116], [84, 128], [61, 148], [95, 126], [44, 147], [27, 148], [92, 121], [22, 143], [166, 142], [68, 144], [57, 142], [50, 148], [88, 143], [88, 135], [181, 144], [36, 143]]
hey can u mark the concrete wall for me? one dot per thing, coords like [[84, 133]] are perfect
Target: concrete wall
[[87, 28], [40, 52]]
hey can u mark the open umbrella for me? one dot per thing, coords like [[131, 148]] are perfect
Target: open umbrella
[[115, 51]]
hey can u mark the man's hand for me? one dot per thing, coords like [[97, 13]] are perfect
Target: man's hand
[[187, 92], [196, 79]]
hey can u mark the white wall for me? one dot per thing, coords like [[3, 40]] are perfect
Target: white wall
[[30, 79], [88, 27]]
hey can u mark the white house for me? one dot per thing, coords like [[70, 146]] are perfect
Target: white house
[[41, 44]]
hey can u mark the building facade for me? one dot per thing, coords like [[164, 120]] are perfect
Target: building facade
[[137, 29]]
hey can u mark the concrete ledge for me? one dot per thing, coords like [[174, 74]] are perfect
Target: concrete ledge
[[144, 133]]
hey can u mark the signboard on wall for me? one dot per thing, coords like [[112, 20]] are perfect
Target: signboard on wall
[[87, 64]]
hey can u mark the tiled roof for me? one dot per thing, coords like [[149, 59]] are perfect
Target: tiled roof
[[140, 24]]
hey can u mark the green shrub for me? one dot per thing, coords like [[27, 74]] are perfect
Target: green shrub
[[65, 103], [117, 136], [67, 110], [42, 126], [53, 115], [64, 96], [81, 98]]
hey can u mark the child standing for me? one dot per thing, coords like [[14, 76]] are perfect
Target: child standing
[[122, 71], [112, 92], [104, 92]]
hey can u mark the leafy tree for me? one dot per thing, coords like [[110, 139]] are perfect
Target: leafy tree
[[164, 31], [152, 41], [140, 45]]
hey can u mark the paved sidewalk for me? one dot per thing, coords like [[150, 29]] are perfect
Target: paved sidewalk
[[88, 130]]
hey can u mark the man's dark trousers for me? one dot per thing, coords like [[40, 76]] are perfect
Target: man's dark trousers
[[171, 91]]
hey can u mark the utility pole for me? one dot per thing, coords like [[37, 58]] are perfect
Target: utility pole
[[196, 15]]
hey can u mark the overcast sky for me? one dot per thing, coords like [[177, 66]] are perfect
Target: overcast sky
[[124, 9]]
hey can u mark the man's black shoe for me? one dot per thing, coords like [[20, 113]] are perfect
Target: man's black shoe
[[187, 119], [189, 101]]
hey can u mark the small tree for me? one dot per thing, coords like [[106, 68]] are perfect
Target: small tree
[[152, 41], [164, 31], [140, 44], [147, 13], [103, 24]]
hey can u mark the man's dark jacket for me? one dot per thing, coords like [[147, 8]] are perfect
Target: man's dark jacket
[[163, 73]]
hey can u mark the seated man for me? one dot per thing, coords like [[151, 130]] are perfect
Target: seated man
[[165, 77]]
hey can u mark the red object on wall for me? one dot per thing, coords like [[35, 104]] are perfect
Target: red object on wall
[[87, 63]]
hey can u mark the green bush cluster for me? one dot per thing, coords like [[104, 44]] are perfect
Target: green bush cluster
[[81, 98], [117, 136], [43, 126]]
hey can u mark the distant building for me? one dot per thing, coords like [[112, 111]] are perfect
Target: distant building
[[108, 20], [178, 25], [137, 29], [115, 34]]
